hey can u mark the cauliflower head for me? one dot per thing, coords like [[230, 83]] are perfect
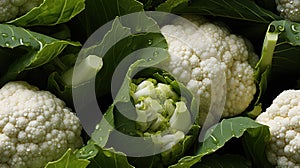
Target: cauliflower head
[[10, 9], [200, 50], [283, 118], [289, 9], [35, 126]]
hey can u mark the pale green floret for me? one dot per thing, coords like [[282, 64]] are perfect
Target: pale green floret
[[289, 9], [181, 113], [283, 118], [161, 114], [167, 141], [11, 9], [35, 127], [200, 50]]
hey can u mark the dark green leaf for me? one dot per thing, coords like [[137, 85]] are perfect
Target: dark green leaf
[[280, 59], [234, 9], [50, 12], [99, 12], [223, 161]]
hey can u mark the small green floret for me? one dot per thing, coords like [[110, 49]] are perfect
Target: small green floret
[[161, 112]]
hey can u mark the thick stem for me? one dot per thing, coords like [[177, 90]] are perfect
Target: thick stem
[[84, 71]]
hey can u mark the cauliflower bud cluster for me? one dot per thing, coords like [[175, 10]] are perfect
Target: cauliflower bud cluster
[[200, 50], [10, 9], [289, 9], [283, 119], [35, 127]]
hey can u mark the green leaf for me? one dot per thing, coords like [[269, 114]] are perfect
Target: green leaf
[[99, 12], [171, 5], [121, 41], [68, 160], [34, 49], [218, 135], [223, 161], [50, 12], [104, 158], [279, 63], [255, 142], [234, 9]]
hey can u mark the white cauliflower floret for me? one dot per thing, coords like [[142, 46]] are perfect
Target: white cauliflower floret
[[200, 50], [289, 9], [35, 126], [10, 9], [283, 118]]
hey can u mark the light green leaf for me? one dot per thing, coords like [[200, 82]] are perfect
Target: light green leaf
[[34, 49], [68, 160], [50, 12], [218, 135], [104, 158]]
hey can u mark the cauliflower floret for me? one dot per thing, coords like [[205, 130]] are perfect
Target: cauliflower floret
[[289, 9], [35, 126], [10, 9], [283, 118], [200, 50]]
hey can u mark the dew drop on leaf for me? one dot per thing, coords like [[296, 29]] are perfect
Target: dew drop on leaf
[[4, 35]]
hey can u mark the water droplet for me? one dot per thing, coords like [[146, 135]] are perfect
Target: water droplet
[[293, 27], [280, 28], [149, 59], [107, 153], [214, 139], [90, 152], [280, 8], [149, 42], [155, 54], [4, 35], [28, 150], [7, 44], [13, 38], [291, 1], [97, 126], [297, 37]]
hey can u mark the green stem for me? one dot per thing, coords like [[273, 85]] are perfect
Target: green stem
[[83, 71]]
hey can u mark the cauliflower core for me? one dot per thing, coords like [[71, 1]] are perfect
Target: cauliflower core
[[283, 118], [199, 50], [10, 9], [35, 127]]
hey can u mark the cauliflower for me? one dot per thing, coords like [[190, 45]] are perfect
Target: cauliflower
[[283, 118], [10, 9], [35, 126], [199, 50], [289, 9]]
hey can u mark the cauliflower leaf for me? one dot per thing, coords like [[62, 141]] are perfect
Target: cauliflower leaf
[[50, 12]]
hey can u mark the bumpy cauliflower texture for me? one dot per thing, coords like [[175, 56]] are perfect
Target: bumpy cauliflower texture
[[289, 9], [10, 9], [283, 118], [35, 127], [200, 50]]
